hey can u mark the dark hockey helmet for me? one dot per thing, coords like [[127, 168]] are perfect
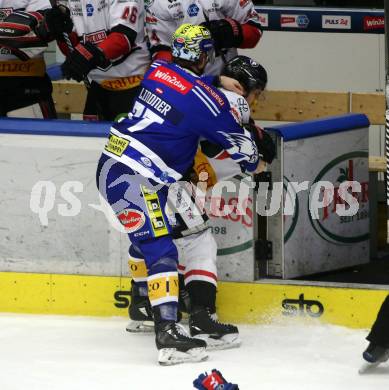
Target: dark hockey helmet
[[247, 71]]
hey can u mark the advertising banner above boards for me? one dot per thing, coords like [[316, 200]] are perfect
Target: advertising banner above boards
[[322, 20]]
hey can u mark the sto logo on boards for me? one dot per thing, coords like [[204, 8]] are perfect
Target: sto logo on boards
[[302, 307]]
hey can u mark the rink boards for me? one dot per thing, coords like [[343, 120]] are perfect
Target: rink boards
[[261, 302]]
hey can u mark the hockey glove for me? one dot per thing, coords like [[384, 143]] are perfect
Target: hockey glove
[[264, 142], [210, 149], [226, 33], [82, 60], [56, 21], [213, 381], [18, 34]]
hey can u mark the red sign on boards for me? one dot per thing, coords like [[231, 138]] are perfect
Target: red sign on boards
[[373, 22]]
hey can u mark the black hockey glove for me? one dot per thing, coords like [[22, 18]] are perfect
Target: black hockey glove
[[18, 34], [56, 21], [265, 145], [210, 149], [226, 33], [82, 60]]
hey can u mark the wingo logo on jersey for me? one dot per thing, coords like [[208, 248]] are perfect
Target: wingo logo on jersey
[[89, 9], [193, 10], [131, 219], [171, 79], [302, 307]]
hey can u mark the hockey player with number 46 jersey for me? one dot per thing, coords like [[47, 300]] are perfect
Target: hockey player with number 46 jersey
[[154, 148], [109, 49]]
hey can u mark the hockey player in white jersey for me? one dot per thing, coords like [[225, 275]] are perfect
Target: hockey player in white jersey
[[110, 50], [196, 246], [233, 24], [25, 89]]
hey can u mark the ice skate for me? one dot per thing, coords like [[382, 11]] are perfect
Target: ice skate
[[141, 316], [175, 346], [373, 356], [205, 326]]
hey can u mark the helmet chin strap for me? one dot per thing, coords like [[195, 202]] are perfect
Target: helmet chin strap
[[198, 69]]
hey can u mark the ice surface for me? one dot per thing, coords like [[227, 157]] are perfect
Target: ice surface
[[71, 353]]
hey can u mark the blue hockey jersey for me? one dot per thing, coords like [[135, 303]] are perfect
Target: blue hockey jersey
[[174, 109]]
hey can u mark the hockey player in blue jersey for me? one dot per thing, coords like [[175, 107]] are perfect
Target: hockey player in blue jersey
[[197, 249], [156, 147]]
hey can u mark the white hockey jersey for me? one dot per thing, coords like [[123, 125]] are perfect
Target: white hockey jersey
[[9, 6], [222, 167], [165, 16], [93, 20]]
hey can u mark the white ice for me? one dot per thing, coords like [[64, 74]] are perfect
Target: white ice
[[71, 353]]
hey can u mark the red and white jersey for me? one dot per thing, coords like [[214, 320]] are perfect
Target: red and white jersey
[[94, 19], [165, 16], [9, 6], [223, 166]]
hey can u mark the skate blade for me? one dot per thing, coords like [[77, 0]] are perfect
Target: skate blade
[[368, 367], [170, 356], [227, 341], [140, 326]]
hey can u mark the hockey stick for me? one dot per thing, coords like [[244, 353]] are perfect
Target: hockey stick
[[70, 46]]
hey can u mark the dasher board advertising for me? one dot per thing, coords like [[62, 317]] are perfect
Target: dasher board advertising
[[325, 221]]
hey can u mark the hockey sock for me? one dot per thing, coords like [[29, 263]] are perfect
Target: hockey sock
[[202, 294]]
